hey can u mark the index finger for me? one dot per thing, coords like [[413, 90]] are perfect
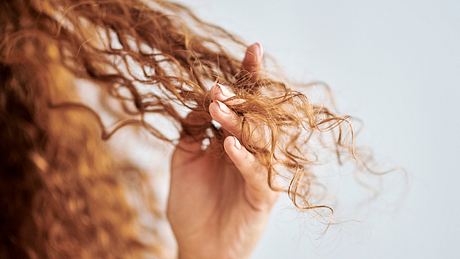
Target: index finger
[[253, 58]]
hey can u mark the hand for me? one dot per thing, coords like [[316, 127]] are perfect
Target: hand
[[219, 206]]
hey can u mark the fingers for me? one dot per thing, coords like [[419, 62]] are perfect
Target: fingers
[[228, 119], [221, 113], [251, 170], [253, 58], [224, 93], [220, 93], [254, 174]]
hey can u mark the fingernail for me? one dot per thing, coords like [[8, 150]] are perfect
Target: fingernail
[[225, 91], [260, 50], [236, 143], [223, 108]]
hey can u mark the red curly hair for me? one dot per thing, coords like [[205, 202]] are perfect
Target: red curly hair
[[62, 193]]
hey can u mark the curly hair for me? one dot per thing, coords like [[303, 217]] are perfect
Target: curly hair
[[62, 193]]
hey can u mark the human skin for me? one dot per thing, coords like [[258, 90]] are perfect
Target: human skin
[[218, 206]]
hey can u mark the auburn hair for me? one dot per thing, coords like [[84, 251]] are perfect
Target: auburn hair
[[62, 193]]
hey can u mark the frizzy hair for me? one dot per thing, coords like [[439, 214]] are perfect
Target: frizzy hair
[[152, 58]]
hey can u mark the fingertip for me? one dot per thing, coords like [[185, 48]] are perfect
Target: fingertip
[[229, 143], [214, 91], [228, 119], [216, 113], [260, 49], [221, 92], [219, 111], [245, 162], [255, 51], [212, 110], [237, 153], [253, 58]]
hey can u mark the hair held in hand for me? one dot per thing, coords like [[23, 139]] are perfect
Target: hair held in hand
[[147, 58]]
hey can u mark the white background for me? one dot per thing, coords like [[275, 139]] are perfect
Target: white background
[[395, 65]]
